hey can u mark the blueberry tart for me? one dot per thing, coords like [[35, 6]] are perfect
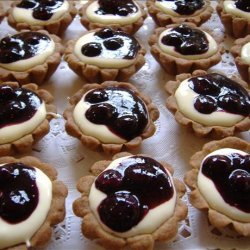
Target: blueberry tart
[[105, 54], [111, 116], [32, 202], [25, 113], [51, 15], [2, 12], [235, 16], [210, 104], [241, 53], [166, 12], [131, 201], [29, 56], [183, 48], [220, 183], [125, 15]]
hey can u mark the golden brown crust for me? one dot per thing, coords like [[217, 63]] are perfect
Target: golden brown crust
[[2, 12], [216, 218], [235, 26], [201, 130], [175, 65], [39, 73], [93, 143], [243, 67], [128, 28], [92, 229], [25, 143], [92, 73], [56, 27], [162, 19], [56, 213]]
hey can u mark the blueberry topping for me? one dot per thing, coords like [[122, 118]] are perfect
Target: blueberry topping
[[114, 7], [119, 109], [243, 5], [186, 7], [231, 179], [135, 186], [22, 46], [19, 194], [217, 92], [17, 105], [42, 9], [111, 44], [91, 49], [186, 40]]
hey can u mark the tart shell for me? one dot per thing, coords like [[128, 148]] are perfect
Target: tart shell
[[176, 65], [128, 28], [93, 73], [243, 68], [25, 143], [162, 19], [56, 27], [39, 73], [56, 213], [201, 130], [235, 26], [216, 218], [92, 229], [93, 143]]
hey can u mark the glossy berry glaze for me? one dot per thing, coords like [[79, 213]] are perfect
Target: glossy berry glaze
[[22, 46], [17, 105], [110, 41], [114, 7], [42, 9], [243, 5], [119, 109], [219, 93], [231, 176], [186, 40], [186, 7], [135, 186], [19, 194]]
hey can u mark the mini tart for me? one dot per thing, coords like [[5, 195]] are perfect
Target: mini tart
[[214, 131], [236, 26], [56, 212], [2, 12], [57, 26], [25, 143], [92, 228], [217, 219], [39, 73], [178, 63], [95, 144], [242, 63], [162, 19], [128, 28], [95, 73]]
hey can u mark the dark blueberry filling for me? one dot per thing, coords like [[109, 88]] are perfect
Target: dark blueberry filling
[[114, 7], [137, 185], [19, 193], [243, 5], [22, 46], [187, 40], [111, 44], [186, 7], [231, 176], [17, 105], [42, 9], [119, 109], [219, 93]]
